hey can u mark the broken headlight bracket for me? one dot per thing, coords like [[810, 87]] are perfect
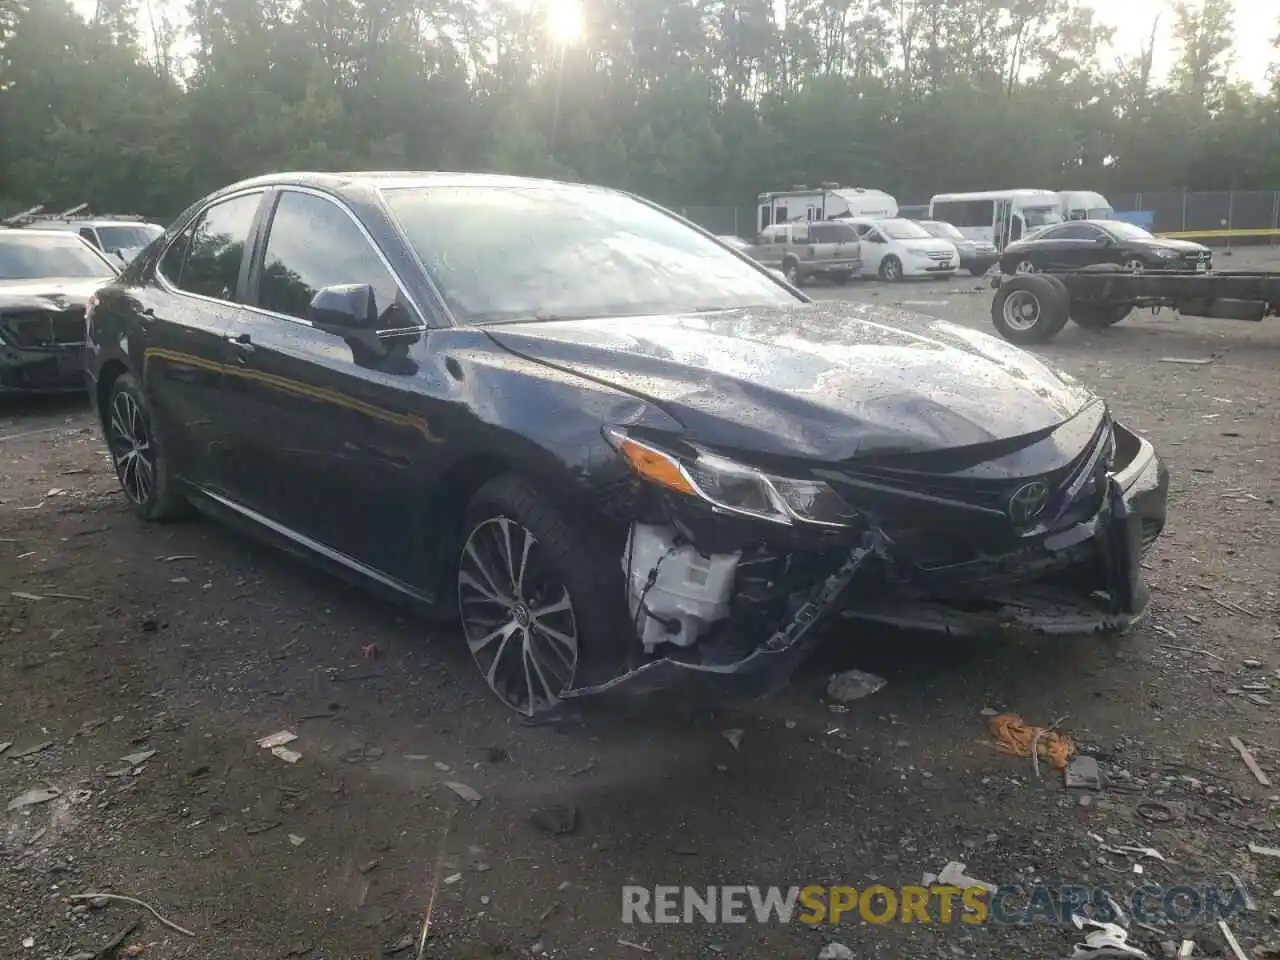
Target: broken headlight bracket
[[734, 487]]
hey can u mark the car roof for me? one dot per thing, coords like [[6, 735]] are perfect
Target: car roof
[[389, 179], [25, 232]]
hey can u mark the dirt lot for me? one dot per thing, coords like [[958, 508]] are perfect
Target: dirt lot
[[192, 642]]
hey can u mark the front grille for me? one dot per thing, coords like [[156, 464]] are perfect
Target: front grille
[[937, 255], [35, 329]]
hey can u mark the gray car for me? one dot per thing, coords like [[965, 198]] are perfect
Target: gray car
[[976, 256]]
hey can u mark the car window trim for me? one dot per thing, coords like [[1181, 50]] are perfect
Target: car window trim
[[255, 228], [260, 252]]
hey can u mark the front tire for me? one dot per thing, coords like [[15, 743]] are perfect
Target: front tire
[[1030, 309], [791, 270], [137, 453], [977, 269], [891, 269], [542, 601]]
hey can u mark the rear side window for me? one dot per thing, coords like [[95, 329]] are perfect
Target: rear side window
[[88, 234], [832, 233], [214, 249], [313, 243]]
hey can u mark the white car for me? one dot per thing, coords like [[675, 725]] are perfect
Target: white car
[[894, 249]]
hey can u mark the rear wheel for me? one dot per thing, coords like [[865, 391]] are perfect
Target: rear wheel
[[542, 603], [1025, 266], [1134, 265], [1030, 309], [891, 269], [791, 270], [137, 453], [1099, 316]]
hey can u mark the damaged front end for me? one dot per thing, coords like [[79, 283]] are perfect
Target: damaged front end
[[730, 566]]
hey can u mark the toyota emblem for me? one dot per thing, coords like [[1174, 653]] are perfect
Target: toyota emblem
[[1028, 501]]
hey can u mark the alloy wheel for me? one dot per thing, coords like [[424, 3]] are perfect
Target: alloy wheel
[[517, 616], [1021, 310], [131, 448], [1026, 266], [1133, 266], [892, 269]]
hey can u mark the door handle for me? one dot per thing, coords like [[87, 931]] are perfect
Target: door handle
[[242, 342]]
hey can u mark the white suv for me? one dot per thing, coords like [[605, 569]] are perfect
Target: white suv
[[122, 239], [893, 249]]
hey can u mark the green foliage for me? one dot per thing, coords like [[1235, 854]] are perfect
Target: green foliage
[[701, 102]]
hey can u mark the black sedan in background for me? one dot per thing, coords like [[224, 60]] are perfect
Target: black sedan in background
[[625, 458], [976, 256], [46, 278], [1087, 243]]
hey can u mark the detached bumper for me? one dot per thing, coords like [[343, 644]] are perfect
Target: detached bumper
[[33, 371], [1132, 518]]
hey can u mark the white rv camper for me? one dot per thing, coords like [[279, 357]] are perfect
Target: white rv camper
[[1085, 205], [826, 202]]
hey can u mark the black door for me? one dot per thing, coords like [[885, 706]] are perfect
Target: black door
[[333, 441], [183, 316]]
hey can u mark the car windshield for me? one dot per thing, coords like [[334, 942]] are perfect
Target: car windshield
[[1041, 216], [127, 236], [939, 228], [29, 256], [564, 251], [902, 229], [1127, 231]]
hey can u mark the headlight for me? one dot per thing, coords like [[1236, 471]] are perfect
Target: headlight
[[918, 251], [734, 487], [1166, 254]]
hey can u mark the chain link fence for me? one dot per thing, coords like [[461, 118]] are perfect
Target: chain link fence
[[1161, 211]]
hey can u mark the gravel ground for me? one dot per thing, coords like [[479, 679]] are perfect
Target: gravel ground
[[191, 641]]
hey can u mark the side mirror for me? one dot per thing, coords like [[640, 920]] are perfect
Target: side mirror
[[343, 308], [1102, 241]]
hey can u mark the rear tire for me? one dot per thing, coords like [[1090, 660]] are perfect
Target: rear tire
[[1099, 316], [791, 270], [978, 270], [1030, 309], [891, 269], [542, 601], [137, 453]]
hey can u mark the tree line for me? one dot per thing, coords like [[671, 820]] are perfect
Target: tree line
[[145, 106]]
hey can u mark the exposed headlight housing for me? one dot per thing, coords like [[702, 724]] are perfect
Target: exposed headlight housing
[[734, 487]]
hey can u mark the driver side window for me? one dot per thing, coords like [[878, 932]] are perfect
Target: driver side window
[[312, 243]]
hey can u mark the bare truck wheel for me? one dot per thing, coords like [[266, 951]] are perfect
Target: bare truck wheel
[[137, 454], [541, 605], [1030, 309], [791, 270], [1099, 316]]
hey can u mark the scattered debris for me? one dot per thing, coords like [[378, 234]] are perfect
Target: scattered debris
[[585, 768], [20, 595], [370, 866], [1250, 904], [1195, 650], [277, 739], [399, 946], [835, 951], [734, 737], [451, 879], [1252, 664], [556, 820], [1153, 811], [462, 790], [108, 952], [1082, 774], [1188, 947], [5, 746], [635, 946], [1189, 361], [1109, 940], [139, 758], [296, 840], [1151, 852], [261, 827], [371, 651], [1249, 762], [853, 685], [1264, 851], [1014, 735], [285, 754], [1232, 944], [28, 751], [33, 797], [362, 753], [953, 875], [989, 712], [137, 903]]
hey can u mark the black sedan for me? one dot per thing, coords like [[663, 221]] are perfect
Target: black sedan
[[46, 278], [623, 457], [1081, 244]]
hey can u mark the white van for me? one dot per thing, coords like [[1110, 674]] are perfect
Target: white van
[[828, 202], [894, 249], [1085, 205], [997, 216]]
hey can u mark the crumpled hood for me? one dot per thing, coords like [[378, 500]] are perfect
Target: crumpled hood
[[824, 381], [49, 294]]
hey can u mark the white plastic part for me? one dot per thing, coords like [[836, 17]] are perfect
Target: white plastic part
[[689, 590]]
